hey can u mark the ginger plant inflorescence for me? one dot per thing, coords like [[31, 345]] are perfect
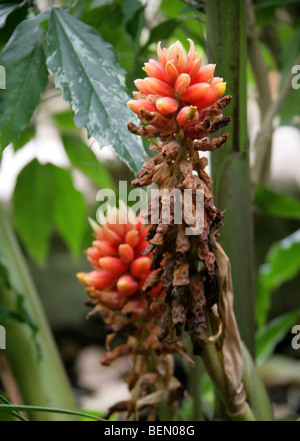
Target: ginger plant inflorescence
[[180, 104]]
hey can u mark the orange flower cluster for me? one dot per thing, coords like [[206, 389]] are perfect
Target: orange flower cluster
[[177, 85], [120, 270]]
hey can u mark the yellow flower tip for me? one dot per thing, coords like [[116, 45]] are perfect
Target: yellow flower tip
[[221, 87], [81, 277], [131, 105]]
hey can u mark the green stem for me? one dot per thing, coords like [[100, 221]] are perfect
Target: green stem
[[42, 380], [226, 35], [227, 47], [255, 389], [213, 365], [11, 408], [194, 377]]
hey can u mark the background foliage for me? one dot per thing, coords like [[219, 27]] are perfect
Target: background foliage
[[90, 51]]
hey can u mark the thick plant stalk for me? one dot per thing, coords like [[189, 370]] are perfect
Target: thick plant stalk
[[41, 379], [255, 390], [226, 34], [214, 367]]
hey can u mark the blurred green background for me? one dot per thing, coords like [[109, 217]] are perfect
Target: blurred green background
[[50, 171]]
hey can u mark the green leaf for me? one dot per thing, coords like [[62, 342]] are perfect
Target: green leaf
[[86, 70], [129, 9], [69, 209], [163, 31], [99, 3], [26, 78], [45, 198], [277, 204], [79, 8], [289, 111], [6, 416], [272, 333], [82, 157], [20, 312], [9, 414], [134, 18], [11, 407], [4, 275], [268, 3], [91, 415], [65, 120], [33, 209], [290, 107], [5, 10], [135, 24], [290, 53], [282, 264], [24, 138]]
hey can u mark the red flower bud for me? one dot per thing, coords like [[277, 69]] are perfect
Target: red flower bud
[[140, 266], [127, 285], [178, 55], [136, 105], [191, 56], [161, 55], [195, 92], [166, 105], [158, 87], [132, 238], [93, 255], [211, 96], [112, 236], [194, 68], [106, 248], [99, 279], [182, 83], [113, 264], [126, 253], [205, 73], [139, 84], [154, 69], [215, 81], [171, 71]]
